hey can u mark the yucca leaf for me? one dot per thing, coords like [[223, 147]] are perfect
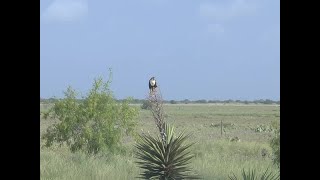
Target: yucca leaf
[[150, 148], [164, 159], [176, 154], [252, 175], [149, 153], [270, 175]]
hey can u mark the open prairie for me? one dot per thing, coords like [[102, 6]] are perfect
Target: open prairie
[[242, 142]]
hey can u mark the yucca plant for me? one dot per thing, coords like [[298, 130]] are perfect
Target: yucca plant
[[165, 159], [165, 156], [252, 175]]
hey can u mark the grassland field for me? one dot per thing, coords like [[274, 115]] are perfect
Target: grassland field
[[244, 143]]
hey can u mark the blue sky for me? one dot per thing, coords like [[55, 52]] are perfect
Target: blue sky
[[196, 49]]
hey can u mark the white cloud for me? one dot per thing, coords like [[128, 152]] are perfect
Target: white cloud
[[65, 11]]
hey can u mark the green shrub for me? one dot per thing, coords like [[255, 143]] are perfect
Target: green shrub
[[94, 124]]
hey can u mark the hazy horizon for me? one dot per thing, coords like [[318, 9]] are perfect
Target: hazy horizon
[[212, 50]]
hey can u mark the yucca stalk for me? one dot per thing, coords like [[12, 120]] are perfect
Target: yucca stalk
[[164, 156], [165, 159], [156, 108]]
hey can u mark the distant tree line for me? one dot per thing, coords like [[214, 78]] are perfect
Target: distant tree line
[[185, 101]]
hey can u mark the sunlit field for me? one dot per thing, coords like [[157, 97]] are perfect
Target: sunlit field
[[241, 142]]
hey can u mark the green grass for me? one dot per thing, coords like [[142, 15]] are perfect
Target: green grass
[[62, 164], [216, 156]]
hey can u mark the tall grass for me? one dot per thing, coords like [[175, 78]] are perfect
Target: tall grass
[[217, 160], [216, 157], [214, 160], [62, 164]]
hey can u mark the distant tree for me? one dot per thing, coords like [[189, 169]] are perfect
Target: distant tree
[[186, 101], [52, 100], [229, 101], [166, 101], [137, 101], [173, 102], [202, 101], [268, 101], [146, 105]]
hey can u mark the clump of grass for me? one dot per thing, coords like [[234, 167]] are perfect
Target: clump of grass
[[263, 128], [224, 125], [275, 144]]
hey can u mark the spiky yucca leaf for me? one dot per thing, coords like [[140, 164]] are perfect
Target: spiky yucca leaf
[[269, 175], [251, 175], [164, 159]]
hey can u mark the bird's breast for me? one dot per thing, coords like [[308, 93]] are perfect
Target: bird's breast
[[152, 82]]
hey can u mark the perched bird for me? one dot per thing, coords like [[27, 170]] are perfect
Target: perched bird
[[152, 84]]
